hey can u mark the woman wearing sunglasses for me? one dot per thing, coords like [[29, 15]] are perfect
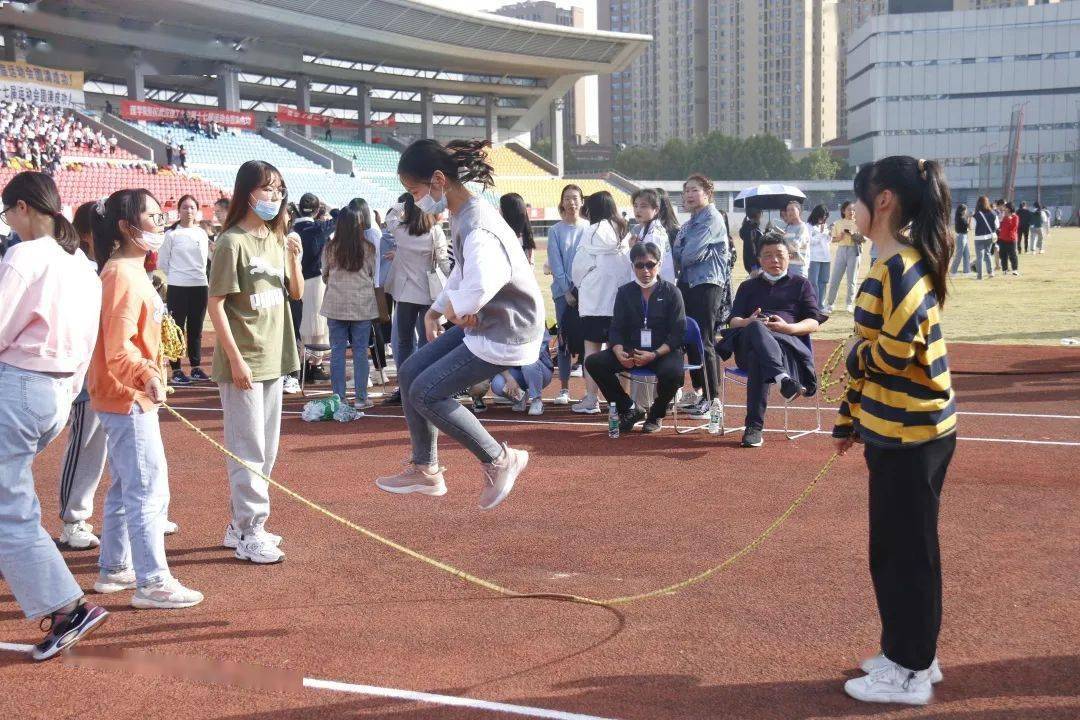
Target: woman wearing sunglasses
[[646, 332]]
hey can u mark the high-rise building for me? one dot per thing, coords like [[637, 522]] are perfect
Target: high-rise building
[[743, 67], [575, 102]]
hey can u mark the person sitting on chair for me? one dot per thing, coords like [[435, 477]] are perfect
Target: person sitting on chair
[[769, 315], [647, 331]]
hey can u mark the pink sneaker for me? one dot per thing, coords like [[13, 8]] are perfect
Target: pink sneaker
[[500, 475], [414, 479]]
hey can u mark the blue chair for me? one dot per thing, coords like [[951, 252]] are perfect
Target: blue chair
[[644, 376], [739, 377]]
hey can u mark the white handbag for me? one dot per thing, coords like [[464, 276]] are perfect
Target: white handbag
[[436, 280]]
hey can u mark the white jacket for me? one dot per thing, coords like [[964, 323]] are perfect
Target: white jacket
[[601, 266]]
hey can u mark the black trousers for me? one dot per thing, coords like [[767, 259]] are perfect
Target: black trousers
[[604, 368], [702, 304], [1007, 250], [905, 561], [188, 308], [380, 336], [1025, 235], [758, 353]]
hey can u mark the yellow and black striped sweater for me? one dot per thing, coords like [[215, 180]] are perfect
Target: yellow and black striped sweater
[[899, 391]]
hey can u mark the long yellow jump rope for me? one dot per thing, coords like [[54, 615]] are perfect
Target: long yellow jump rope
[[173, 345]]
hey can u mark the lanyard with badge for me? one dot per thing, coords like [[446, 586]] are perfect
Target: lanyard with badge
[[646, 333]]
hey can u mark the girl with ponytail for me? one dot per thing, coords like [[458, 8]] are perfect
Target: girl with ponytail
[[127, 387], [50, 300], [899, 403], [494, 303]]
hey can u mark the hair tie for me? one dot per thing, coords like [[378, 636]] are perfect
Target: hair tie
[[99, 206]]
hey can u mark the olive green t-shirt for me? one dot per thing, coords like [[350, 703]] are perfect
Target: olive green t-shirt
[[251, 274]]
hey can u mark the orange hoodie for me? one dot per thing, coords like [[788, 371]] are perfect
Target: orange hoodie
[[128, 350]]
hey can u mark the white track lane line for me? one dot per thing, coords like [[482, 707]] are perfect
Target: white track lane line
[[1012, 441], [16, 647]]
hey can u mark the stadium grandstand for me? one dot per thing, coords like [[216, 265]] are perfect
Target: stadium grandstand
[[175, 100]]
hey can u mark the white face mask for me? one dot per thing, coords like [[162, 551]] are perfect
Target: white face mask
[[150, 242], [656, 279], [430, 205], [769, 277]]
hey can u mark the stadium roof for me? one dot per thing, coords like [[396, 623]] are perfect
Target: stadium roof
[[408, 45]]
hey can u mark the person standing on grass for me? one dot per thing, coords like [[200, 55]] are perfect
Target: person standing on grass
[[256, 262], [849, 244], [349, 305], [986, 225], [1039, 228], [962, 257], [494, 303], [127, 385], [562, 245], [900, 404], [798, 237], [1008, 235], [818, 253], [50, 303], [183, 259]]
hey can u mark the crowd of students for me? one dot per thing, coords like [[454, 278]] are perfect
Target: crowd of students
[[466, 310], [37, 137], [1000, 234]]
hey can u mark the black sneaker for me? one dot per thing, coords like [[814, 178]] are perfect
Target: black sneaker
[[394, 399], [179, 378], [67, 629], [198, 374], [789, 389], [479, 406], [630, 418], [751, 437], [652, 425], [317, 373]]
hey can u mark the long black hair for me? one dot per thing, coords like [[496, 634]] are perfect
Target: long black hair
[[346, 248], [818, 215], [512, 207], [127, 205], [416, 220], [461, 161], [667, 215], [923, 201], [252, 175], [652, 200], [83, 222], [180, 202], [39, 192], [601, 206]]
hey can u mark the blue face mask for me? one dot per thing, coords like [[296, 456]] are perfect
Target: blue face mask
[[267, 209]]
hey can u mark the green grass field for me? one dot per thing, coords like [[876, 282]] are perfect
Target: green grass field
[[1039, 307]]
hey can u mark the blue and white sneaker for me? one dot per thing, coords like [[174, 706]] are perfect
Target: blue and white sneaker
[[66, 629]]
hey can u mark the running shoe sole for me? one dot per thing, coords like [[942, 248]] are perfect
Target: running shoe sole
[[434, 491]]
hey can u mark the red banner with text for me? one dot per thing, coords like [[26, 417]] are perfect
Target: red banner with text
[[152, 112], [288, 115]]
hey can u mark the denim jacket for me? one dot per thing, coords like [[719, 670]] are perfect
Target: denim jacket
[[563, 241], [701, 249]]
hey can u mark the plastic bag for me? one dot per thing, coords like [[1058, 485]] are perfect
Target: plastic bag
[[321, 409]]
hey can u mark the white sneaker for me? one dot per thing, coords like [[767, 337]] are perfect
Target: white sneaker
[[869, 665], [113, 582], [170, 527], [259, 549], [291, 386], [500, 475], [168, 594], [563, 398], [690, 399], [536, 407], [363, 405], [79, 536], [233, 536], [589, 405], [891, 683], [576, 372]]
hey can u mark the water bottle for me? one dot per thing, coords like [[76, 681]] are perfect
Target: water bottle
[[715, 413], [613, 421]]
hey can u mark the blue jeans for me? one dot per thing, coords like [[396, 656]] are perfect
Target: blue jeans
[[819, 278], [799, 269], [532, 378], [342, 334], [564, 348], [428, 381], [33, 410], [132, 534], [409, 329], [962, 255], [982, 254]]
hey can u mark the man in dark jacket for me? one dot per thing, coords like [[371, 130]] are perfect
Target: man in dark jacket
[[771, 320], [1025, 226], [314, 234]]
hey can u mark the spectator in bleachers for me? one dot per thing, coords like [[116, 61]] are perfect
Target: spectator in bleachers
[[600, 268], [798, 238], [49, 313], [562, 245], [255, 263], [819, 254], [183, 258], [650, 228], [750, 234], [315, 227], [348, 270], [515, 213], [849, 244], [414, 280], [647, 331], [182, 154], [770, 314], [127, 384], [701, 254]]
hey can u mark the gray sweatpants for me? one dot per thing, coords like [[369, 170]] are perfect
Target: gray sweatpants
[[252, 431], [84, 462]]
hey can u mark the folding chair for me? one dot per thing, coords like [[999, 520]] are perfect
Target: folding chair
[[644, 376], [740, 377], [312, 351]]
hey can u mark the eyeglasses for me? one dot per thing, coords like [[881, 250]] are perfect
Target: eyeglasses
[[645, 265]]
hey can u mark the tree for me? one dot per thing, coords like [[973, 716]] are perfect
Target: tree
[[818, 165]]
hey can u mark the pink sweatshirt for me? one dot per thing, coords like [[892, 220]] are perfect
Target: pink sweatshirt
[[50, 304]]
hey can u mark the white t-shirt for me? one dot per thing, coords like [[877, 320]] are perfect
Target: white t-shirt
[[183, 256], [819, 245]]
